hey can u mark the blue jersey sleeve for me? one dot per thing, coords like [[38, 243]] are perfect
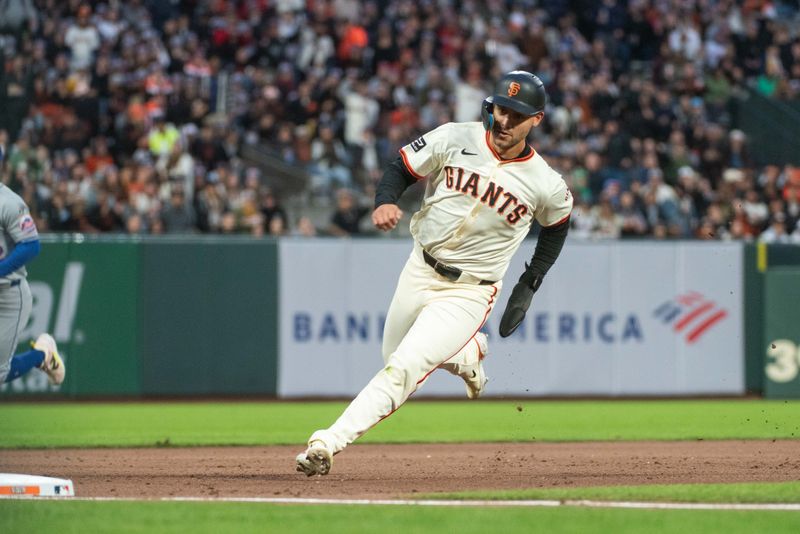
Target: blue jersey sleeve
[[22, 254]]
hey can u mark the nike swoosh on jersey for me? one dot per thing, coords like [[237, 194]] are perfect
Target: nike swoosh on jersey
[[465, 153]]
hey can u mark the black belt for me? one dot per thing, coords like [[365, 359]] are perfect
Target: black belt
[[451, 273], [14, 283]]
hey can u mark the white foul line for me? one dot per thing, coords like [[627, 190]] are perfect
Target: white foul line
[[793, 507]]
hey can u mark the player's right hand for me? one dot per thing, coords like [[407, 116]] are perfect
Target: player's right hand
[[386, 216]]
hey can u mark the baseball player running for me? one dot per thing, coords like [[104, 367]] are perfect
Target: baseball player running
[[19, 243], [485, 188]]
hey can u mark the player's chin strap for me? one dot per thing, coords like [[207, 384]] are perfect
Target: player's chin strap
[[487, 115]]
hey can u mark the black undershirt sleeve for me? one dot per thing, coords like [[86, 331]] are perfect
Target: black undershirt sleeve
[[548, 247], [396, 179]]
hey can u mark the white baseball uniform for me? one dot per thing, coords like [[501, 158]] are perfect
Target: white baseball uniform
[[477, 210]]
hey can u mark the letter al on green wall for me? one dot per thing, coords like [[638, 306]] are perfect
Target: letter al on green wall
[[67, 305]]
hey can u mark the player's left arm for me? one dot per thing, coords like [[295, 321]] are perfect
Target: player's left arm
[[22, 254], [548, 248], [23, 231]]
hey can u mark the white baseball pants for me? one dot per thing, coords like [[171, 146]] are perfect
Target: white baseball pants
[[431, 322]]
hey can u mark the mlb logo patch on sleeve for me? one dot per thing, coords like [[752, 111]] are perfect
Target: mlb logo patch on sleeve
[[26, 223], [418, 144]]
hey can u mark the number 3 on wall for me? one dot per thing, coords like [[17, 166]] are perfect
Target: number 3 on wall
[[783, 361]]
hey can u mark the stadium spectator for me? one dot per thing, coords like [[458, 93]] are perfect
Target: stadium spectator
[[271, 209], [330, 167], [111, 106], [17, 17], [83, 39], [305, 228], [776, 232], [163, 137], [178, 216], [346, 220]]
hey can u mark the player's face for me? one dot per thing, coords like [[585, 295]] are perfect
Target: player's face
[[511, 128]]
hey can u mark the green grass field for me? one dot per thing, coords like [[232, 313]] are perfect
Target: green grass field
[[775, 492], [46, 425], [153, 517], [279, 423], [156, 517]]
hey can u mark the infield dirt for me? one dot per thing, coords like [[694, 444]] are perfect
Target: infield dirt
[[389, 471]]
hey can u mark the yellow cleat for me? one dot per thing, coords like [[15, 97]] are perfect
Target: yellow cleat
[[53, 365]]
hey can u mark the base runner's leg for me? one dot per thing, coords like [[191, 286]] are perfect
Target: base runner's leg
[[407, 302], [15, 309], [468, 365], [442, 329], [469, 355]]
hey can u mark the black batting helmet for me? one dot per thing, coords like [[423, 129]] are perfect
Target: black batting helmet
[[518, 90]]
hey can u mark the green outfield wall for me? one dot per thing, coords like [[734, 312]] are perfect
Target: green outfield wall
[[209, 320], [759, 260], [782, 332], [184, 316]]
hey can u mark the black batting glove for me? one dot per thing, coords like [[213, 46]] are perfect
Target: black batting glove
[[519, 301]]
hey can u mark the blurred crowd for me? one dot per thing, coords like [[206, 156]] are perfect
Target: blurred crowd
[[134, 116]]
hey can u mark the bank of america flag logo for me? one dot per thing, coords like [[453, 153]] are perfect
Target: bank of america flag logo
[[690, 315]]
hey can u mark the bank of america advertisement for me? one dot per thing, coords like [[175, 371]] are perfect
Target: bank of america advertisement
[[611, 319]]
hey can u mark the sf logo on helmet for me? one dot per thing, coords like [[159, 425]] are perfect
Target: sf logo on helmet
[[513, 89]]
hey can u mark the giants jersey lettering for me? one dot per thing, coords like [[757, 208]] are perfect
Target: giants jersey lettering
[[477, 207]]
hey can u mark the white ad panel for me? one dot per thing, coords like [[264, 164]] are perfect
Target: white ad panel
[[333, 301], [610, 319]]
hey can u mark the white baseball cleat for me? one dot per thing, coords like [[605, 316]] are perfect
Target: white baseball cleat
[[474, 376], [476, 382], [53, 365], [316, 460]]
